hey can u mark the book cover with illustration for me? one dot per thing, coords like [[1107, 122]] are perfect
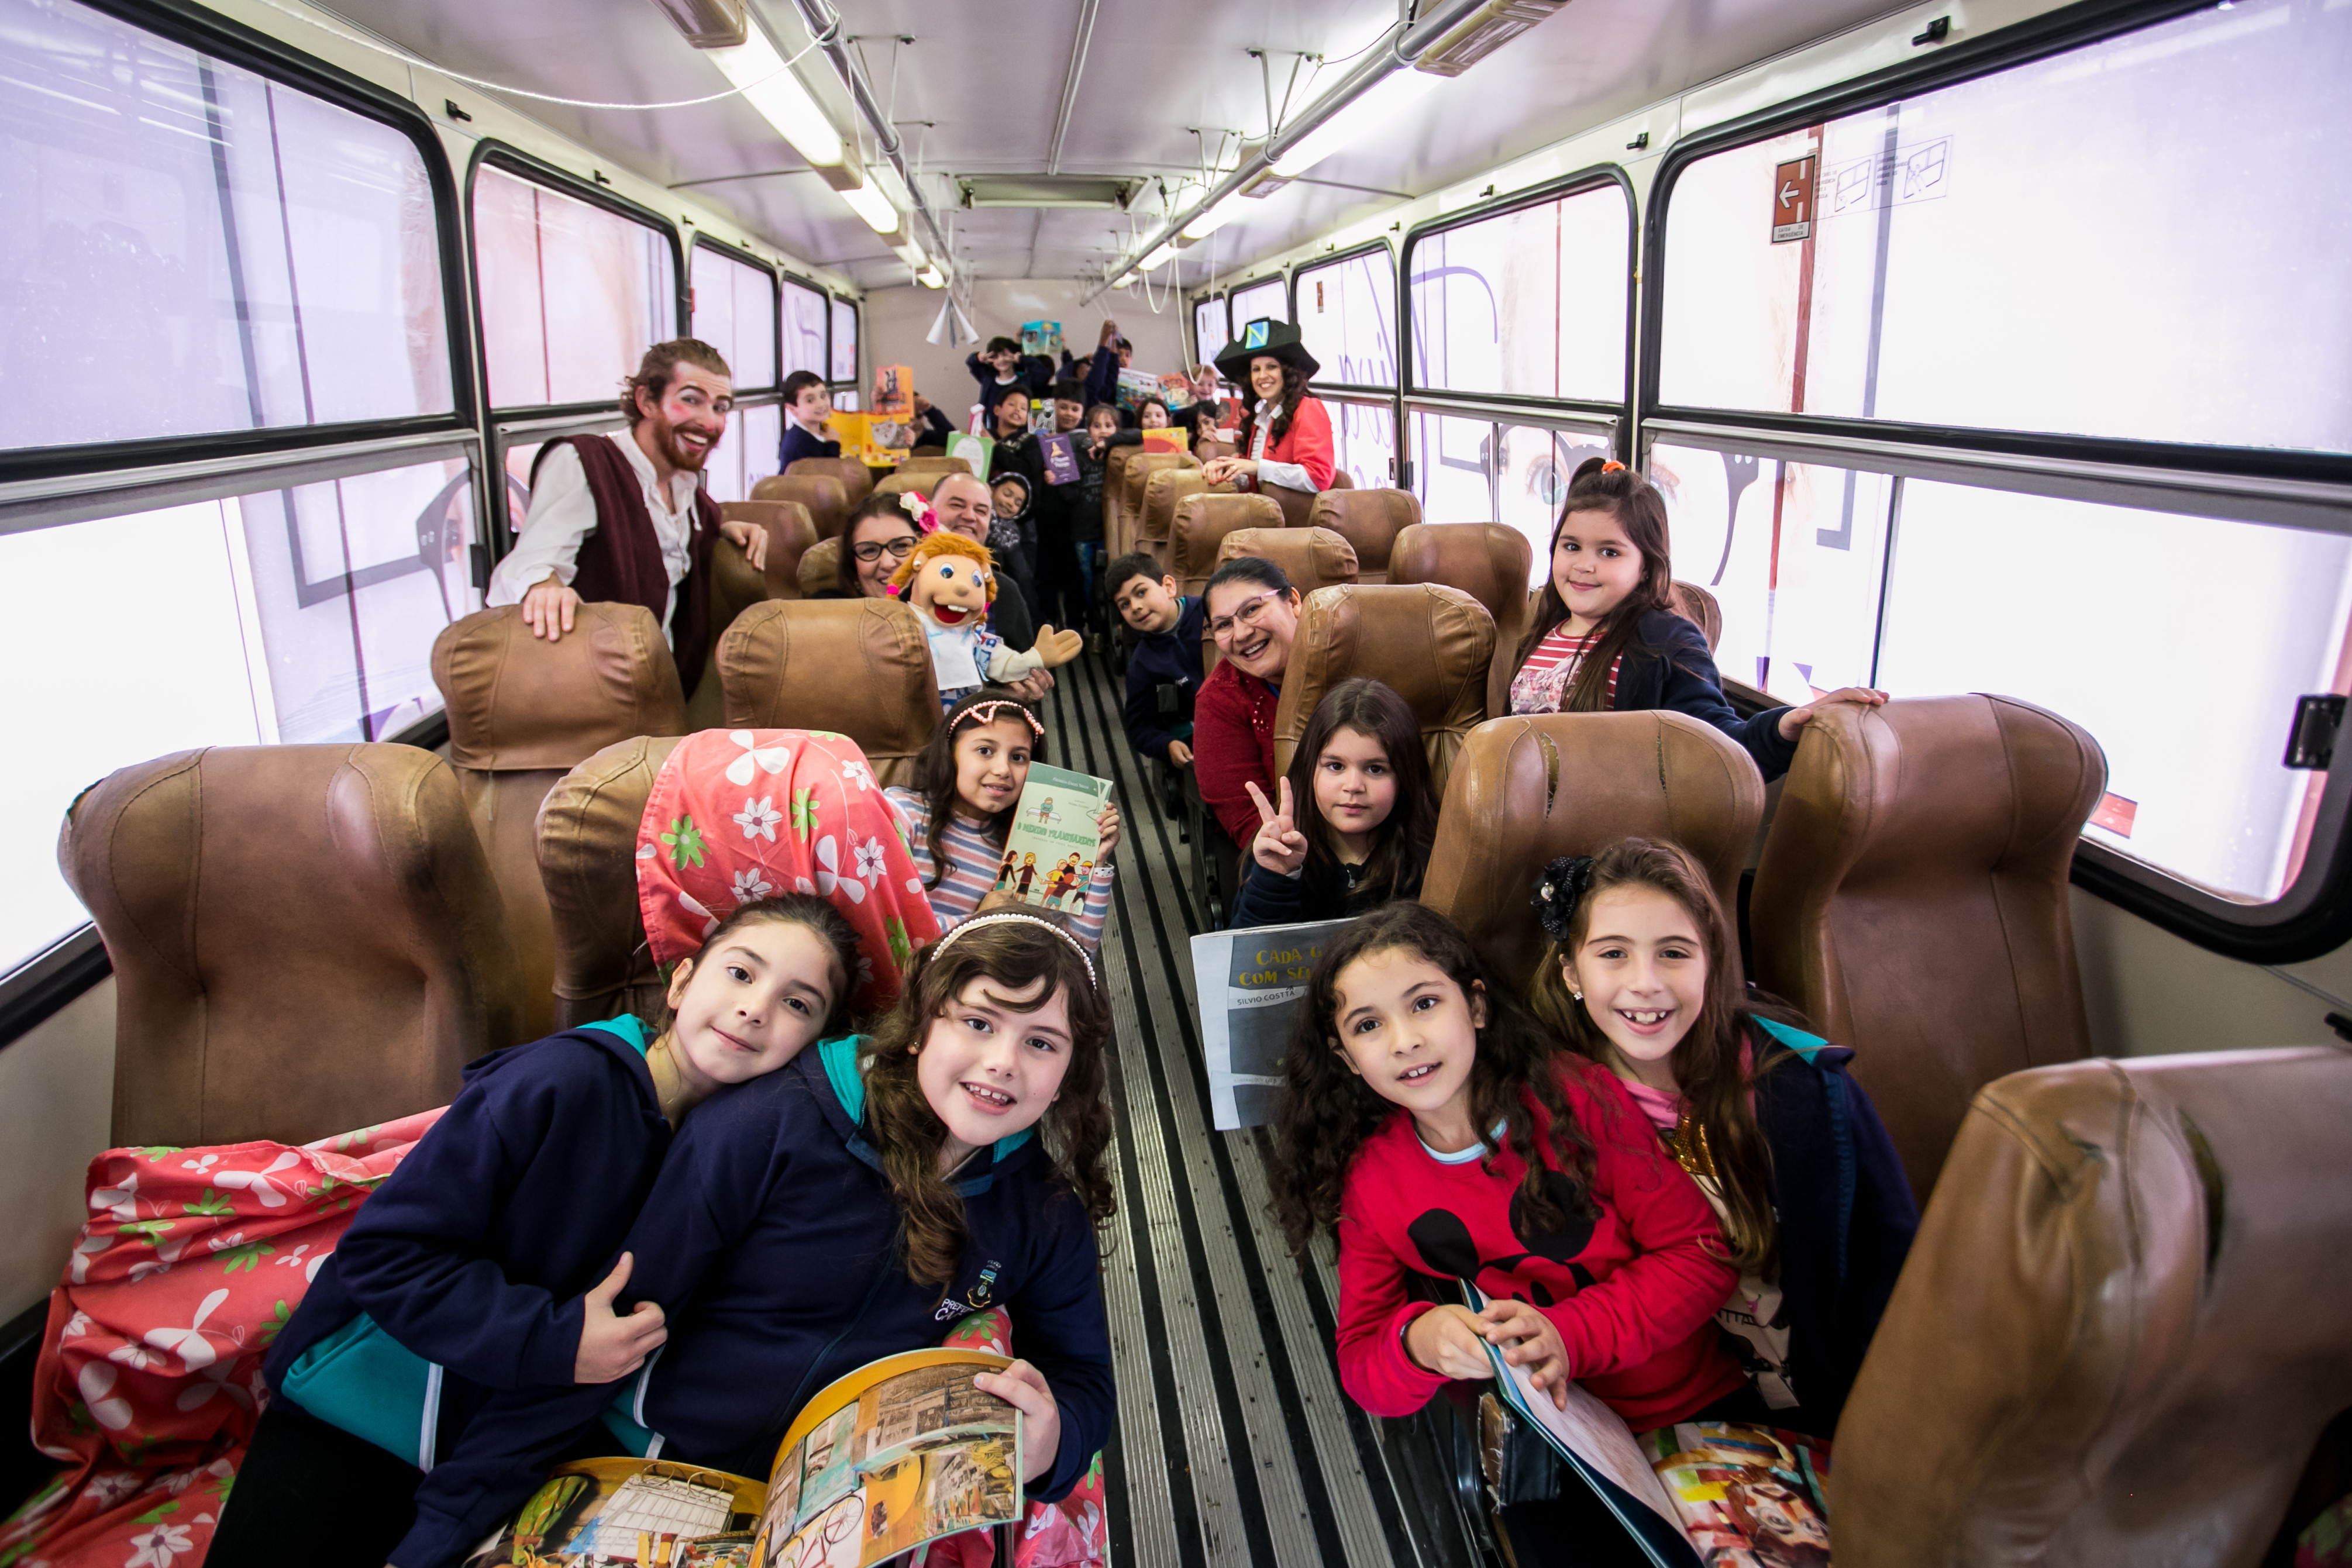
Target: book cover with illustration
[[894, 391], [1049, 853], [1251, 985], [1133, 387], [1700, 1494], [1169, 438], [977, 450], [1042, 338], [901, 1452], [1061, 455]]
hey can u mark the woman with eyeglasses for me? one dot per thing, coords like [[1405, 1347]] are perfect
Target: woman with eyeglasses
[[879, 536], [1253, 616]]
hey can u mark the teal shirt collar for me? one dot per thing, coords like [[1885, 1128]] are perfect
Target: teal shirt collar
[[840, 1070]]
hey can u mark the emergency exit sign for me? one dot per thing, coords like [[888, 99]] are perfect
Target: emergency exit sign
[[1792, 200]]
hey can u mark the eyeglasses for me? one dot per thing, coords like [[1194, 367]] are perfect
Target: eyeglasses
[[872, 549], [1252, 608]]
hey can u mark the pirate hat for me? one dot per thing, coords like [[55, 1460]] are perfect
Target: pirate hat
[[1264, 336]]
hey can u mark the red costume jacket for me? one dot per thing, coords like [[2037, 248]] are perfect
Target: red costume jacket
[[1307, 443]]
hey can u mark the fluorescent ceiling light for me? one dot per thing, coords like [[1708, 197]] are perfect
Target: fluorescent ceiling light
[[1211, 219], [1354, 122], [912, 254], [931, 278], [868, 203], [1158, 258], [884, 177], [770, 87]]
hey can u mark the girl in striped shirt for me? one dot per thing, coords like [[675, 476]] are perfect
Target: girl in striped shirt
[[968, 782]]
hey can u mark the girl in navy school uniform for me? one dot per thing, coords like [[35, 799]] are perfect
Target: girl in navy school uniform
[[1605, 635], [1816, 1210], [1370, 814], [852, 1206], [486, 1261]]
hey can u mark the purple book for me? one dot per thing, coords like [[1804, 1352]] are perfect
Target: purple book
[[1061, 459]]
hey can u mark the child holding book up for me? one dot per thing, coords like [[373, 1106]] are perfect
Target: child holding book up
[[1641, 978], [852, 1206], [1441, 1135], [968, 781], [1372, 814]]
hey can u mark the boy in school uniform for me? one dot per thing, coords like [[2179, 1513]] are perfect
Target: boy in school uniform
[[1000, 367], [807, 405], [1163, 669]]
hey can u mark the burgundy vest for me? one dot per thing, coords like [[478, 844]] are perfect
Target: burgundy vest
[[621, 559]]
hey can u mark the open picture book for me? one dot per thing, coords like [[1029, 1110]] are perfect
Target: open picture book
[[1049, 851], [901, 1452], [1698, 1494]]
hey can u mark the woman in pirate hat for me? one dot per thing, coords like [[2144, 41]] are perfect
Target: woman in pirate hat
[[1285, 438]]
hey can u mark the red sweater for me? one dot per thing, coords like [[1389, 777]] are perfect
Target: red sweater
[[1233, 745], [1307, 443], [1633, 1292]]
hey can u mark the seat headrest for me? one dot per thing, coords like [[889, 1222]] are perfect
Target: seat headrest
[[1430, 644], [791, 531], [861, 667], [1141, 467], [518, 702], [827, 500], [1697, 606], [2120, 1323], [305, 938], [942, 464], [856, 480], [1486, 560], [587, 858], [1200, 527], [1527, 789], [1368, 519], [1162, 492], [1310, 558], [901, 482], [820, 569]]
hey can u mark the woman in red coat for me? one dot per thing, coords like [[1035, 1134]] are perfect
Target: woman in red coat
[[1286, 440]]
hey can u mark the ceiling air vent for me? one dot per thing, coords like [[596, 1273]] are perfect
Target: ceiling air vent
[[707, 23], [1047, 189], [1482, 32]]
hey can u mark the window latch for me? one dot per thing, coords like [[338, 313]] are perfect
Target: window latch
[[2311, 744], [1937, 31]]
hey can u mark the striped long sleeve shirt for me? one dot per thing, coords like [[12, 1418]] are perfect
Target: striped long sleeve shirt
[[972, 857]]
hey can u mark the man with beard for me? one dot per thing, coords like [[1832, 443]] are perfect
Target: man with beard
[[623, 518]]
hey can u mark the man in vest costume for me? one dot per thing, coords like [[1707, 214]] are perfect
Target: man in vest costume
[[622, 519]]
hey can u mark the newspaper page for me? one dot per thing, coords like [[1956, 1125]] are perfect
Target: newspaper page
[[1251, 985]]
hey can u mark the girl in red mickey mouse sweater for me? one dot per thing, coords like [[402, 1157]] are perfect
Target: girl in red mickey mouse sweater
[[1416, 1098]]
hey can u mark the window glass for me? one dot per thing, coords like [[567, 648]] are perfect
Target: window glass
[[748, 454], [606, 285], [2100, 243], [1365, 436], [1210, 334], [1259, 300], [1472, 471], [807, 314], [194, 248], [735, 313], [1527, 303], [845, 340], [1347, 317], [295, 615]]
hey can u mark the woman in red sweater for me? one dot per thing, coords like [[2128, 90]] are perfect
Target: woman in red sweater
[[1286, 439], [1430, 1122], [1253, 615]]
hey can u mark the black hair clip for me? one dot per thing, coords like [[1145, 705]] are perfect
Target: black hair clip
[[1557, 892]]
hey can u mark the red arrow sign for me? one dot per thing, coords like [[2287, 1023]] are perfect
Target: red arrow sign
[[1792, 205]]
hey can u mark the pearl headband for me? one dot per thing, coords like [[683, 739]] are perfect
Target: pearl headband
[[1002, 916]]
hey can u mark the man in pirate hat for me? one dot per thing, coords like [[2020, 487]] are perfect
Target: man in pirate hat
[[1285, 436]]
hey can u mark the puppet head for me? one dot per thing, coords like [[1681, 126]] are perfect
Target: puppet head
[[949, 578]]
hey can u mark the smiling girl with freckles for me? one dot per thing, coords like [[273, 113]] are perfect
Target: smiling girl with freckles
[[1643, 979]]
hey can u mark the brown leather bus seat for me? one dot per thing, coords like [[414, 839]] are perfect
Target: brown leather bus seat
[[1162, 492], [1486, 560], [2121, 1329], [942, 464], [1299, 506], [306, 939], [858, 665], [901, 482], [587, 857], [522, 712], [1199, 530], [1430, 645], [1697, 606], [734, 587], [791, 533], [1309, 557], [856, 479], [1368, 519], [1115, 462], [821, 568], [828, 501], [1126, 519], [1912, 900], [1525, 789]]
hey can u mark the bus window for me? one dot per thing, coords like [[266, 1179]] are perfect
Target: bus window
[[1475, 471], [845, 342], [607, 284], [1210, 332], [1347, 318], [2097, 243], [1260, 301], [735, 313], [808, 315], [1527, 303], [1365, 436], [203, 249], [748, 454]]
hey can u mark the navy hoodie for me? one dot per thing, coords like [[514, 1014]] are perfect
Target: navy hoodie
[[476, 1250], [1163, 659], [772, 1242]]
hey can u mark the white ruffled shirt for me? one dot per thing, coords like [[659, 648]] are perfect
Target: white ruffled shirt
[[564, 513]]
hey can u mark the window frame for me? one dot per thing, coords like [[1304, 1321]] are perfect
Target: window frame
[[1396, 275], [2313, 915], [1591, 177], [1280, 275], [232, 42], [833, 298], [1193, 320], [775, 297], [786, 275]]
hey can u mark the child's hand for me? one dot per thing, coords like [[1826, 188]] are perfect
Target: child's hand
[[1279, 846], [1107, 832], [1109, 335], [1796, 719], [1449, 1341], [1024, 1387], [1531, 1340], [612, 1347], [1179, 755]]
